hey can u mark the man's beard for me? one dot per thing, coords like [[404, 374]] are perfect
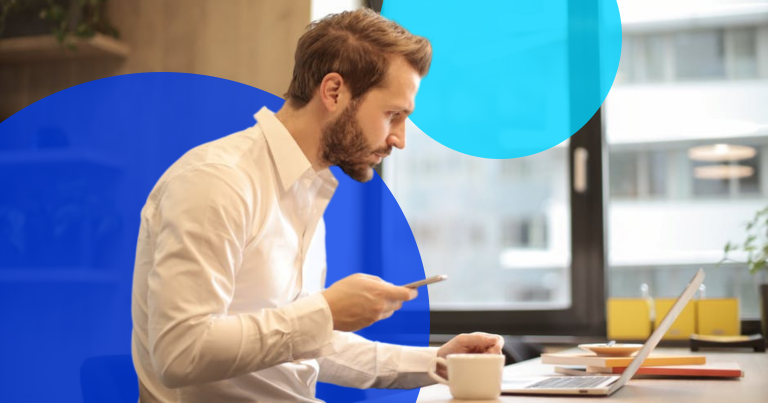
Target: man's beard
[[343, 144]]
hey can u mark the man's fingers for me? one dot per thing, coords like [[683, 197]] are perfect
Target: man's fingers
[[369, 276], [491, 340], [495, 344], [402, 293], [483, 342], [389, 309], [412, 293], [393, 305], [494, 349], [488, 338], [385, 314]]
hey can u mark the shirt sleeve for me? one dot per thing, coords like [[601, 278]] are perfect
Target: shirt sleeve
[[361, 363], [201, 224]]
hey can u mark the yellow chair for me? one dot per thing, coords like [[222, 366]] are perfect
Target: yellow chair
[[718, 317], [628, 319], [683, 326]]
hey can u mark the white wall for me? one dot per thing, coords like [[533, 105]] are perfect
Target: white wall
[[684, 232], [686, 111], [321, 8]]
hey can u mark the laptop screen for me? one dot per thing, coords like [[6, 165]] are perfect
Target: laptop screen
[[665, 324]]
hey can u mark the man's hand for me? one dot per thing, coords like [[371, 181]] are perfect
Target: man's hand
[[360, 300], [472, 343]]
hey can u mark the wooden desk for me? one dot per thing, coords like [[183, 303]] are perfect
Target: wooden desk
[[753, 387]]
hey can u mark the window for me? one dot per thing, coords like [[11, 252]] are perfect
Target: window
[[656, 168], [654, 47], [658, 175], [670, 212], [683, 55], [743, 60], [750, 184], [533, 249], [638, 174], [623, 175], [699, 55], [709, 186], [500, 220], [627, 63], [524, 253], [529, 232]]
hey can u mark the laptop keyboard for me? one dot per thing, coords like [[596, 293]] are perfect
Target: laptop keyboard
[[569, 382]]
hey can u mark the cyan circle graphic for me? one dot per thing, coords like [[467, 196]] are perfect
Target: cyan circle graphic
[[511, 78], [75, 171]]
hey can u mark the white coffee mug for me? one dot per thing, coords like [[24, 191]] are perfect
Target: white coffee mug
[[472, 376]]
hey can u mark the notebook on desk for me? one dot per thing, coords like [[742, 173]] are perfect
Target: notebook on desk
[[602, 385], [716, 370]]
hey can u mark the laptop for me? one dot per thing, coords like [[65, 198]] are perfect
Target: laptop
[[603, 385]]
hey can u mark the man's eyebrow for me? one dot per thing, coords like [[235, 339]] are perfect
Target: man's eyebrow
[[402, 108]]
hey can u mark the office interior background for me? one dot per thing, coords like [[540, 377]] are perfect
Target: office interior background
[[692, 74], [525, 254]]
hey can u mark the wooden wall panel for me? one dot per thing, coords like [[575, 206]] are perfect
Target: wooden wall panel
[[249, 41]]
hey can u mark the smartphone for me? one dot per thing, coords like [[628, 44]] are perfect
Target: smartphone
[[433, 279]]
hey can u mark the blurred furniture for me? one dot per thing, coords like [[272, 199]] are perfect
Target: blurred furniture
[[517, 350], [46, 47]]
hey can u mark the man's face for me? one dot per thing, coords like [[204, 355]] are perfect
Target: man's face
[[366, 130]]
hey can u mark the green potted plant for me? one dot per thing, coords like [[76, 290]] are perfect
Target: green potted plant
[[62, 18], [755, 248]]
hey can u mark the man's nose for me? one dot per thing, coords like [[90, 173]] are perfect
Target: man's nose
[[397, 137]]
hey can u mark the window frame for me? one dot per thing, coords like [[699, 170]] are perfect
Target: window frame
[[589, 263], [586, 315]]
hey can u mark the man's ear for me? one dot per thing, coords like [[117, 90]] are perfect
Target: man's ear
[[333, 91]]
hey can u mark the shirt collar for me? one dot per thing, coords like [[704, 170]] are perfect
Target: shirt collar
[[290, 161]]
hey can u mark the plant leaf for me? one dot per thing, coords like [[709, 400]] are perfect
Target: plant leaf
[[749, 240], [757, 266]]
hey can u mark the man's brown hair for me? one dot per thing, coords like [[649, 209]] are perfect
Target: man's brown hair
[[358, 45]]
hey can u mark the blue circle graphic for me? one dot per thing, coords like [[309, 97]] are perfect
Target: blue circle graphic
[[75, 171], [511, 78]]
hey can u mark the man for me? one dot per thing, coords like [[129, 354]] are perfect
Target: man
[[228, 300]]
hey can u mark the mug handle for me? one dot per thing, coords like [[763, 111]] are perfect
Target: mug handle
[[432, 368]]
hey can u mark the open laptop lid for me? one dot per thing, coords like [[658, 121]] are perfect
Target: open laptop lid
[[657, 334]]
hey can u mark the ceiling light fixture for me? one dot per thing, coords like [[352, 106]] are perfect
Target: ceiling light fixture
[[723, 172], [721, 152]]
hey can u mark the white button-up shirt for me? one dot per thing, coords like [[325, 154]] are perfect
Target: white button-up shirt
[[229, 264]]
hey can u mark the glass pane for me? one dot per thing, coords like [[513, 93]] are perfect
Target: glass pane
[[699, 55], [750, 185], [657, 173], [626, 72], [709, 186], [638, 174], [672, 210], [654, 57], [501, 226], [744, 53], [623, 175]]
